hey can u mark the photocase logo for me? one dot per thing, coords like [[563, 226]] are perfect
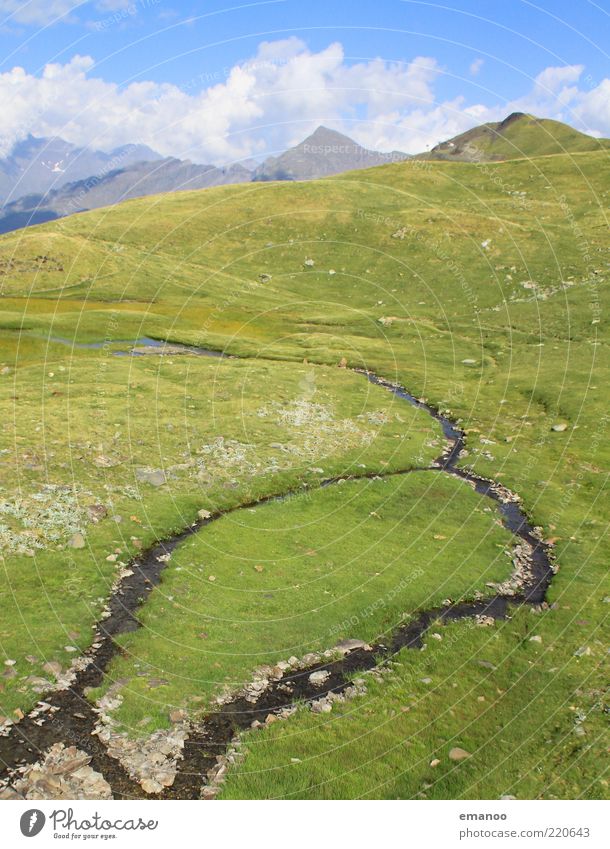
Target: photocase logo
[[32, 822]]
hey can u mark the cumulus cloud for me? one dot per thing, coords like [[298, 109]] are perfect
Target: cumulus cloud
[[476, 66], [269, 102]]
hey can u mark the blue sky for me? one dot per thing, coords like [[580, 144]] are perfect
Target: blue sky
[[219, 82]]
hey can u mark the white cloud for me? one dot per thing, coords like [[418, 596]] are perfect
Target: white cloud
[[272, 101], [476, 66], [553, 80], [37, 12]]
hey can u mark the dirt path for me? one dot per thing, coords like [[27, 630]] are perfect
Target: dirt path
[[68, 717]]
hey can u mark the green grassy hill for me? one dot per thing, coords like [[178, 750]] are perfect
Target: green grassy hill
[[480, 287], [518, 135]]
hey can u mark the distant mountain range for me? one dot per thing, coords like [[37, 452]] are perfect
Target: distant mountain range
[[39, 165], [132, 181], [44, 179], [51, 178]]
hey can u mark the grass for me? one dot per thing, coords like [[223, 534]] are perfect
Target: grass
[[89, 424], [297, 576], [486, 690], [480, 287]]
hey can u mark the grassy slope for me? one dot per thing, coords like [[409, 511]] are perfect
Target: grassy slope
[[298, 576], [409, 236], [146, 413], [521, 136]]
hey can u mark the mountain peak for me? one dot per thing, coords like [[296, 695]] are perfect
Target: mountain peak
[[321, 154], [518, 135], [324, 135]]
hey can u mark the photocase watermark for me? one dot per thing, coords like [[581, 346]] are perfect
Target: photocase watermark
[[61, 820], [32, 822]]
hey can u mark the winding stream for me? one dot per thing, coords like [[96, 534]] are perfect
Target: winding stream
[[71, 718]]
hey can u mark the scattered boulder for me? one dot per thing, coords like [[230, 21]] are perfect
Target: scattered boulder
[[177, 715], [346, 646], [458, 754], [63, 773], [319, 677], [77, 540], [559, 428], [97, 512], [154, 477]]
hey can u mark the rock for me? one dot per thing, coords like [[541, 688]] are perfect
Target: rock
[[156, 682], [9, 794], [105, 462], [63, 773], [270, 718], [97, 512], [458, 754], [264, 278], [154, 477], [319, 677], [559, 428], [468, 362], [343, 362], [53, 667], [77, 540], [309, 263], [166, 778], [10, 662], [321, 706], [426, 680], [434, 762], [204, 514], [536, 639], [583, 651], [346, 646], [149, 785], [507, 798], [177, 715]]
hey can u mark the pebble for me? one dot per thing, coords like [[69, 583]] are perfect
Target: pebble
[[346, 646], [319, 677], [77, 541], [458, 754]]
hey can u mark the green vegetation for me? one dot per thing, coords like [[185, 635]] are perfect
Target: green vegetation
[[252, 590], [518, 135], [478, 286]]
